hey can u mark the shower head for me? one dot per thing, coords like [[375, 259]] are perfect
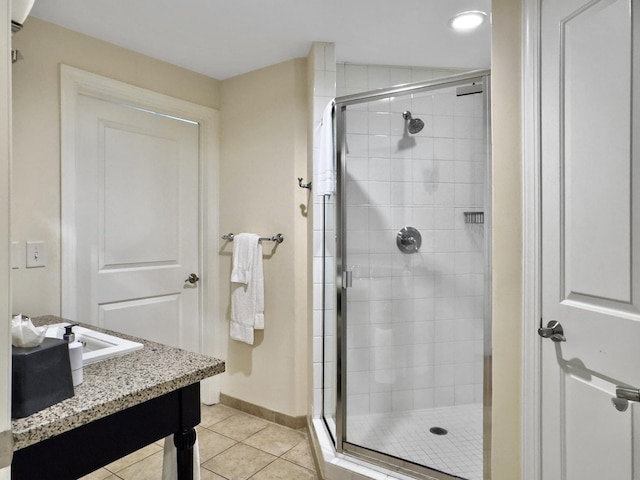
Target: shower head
[[414, 124]]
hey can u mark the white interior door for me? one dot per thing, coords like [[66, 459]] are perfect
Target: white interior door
[[590, 249], [137, 222]]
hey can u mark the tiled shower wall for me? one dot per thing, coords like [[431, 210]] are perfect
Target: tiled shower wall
[[322, 72], [416, 321]]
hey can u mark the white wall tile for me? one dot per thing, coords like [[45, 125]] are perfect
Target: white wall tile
[[402, 192], [380, 215], [381, 402], [444, 375], [340, 81], [463, 127], [379, 123], [358, 383], [424, 355], [443, 148], [355, 76], [379, 77], [380, 264], [357, 145], [330, 57], [381, 288], [401, 104], [400, 148], [445, 171], [464, 394], [380, 169], [445, 334], [380, 312], [423, 398], [423, 311], [357, 122], [443, 104], [401, 400], [358, 404], [425, 149], [380, 194], [445, 194], [443, 126], [444, 396], [424, 193], [382, 241], [382, 105], [317, 375], [379, 146]]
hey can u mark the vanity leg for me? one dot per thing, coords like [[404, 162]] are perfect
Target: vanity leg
[[184, 442]]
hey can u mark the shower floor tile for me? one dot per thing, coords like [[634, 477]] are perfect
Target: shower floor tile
[[407, 435]]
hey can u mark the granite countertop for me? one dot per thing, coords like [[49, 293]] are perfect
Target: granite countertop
[[116, 384]]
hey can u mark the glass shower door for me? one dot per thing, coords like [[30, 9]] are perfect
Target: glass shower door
[[413, 252]]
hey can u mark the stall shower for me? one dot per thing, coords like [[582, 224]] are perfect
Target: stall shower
[[406, 279]]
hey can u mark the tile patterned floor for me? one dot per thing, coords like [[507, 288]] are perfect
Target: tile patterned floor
[[406, 435], [233, 446]]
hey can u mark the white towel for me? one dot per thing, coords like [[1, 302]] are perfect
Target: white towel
[[170, 463], [259, 290], [244, 245], [324, 180], [247, 298]]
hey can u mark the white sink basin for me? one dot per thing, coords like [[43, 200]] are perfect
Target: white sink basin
[[97, 345]]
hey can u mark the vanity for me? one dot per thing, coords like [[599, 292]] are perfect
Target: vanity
[[124, 404]]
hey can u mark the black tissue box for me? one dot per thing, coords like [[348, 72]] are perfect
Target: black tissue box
[[40, 376]]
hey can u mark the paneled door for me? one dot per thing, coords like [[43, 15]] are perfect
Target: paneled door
[[137, 222], [590, 240]]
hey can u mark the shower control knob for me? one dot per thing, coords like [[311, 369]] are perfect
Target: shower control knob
[[409, 240]]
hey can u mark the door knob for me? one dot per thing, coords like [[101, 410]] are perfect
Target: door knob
[[193, 279], [624, 395], [553, 330]]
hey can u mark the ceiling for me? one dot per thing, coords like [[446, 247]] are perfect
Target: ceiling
[[224, 38]]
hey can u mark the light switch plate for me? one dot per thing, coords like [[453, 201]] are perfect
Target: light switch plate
[[36, 254]]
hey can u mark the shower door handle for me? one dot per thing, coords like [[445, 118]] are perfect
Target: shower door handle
[[347, 279]]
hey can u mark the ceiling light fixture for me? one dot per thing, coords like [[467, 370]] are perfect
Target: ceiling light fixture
[[467, 21]]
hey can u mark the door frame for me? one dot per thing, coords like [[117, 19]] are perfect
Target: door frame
[[6, 438], [531, 451], [75, 82]]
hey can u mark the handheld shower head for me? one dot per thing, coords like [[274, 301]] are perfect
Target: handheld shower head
[[414, 124]]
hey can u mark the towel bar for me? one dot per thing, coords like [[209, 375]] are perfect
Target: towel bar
[[278, 238]]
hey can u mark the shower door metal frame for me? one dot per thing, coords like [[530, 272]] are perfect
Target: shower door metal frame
[[342, 446]]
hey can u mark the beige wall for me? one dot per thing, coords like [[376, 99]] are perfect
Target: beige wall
[[264, 151], [263, 135], [507, 238], [36, 136]]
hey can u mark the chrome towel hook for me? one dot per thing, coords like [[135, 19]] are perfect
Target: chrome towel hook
[[303, 185]]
